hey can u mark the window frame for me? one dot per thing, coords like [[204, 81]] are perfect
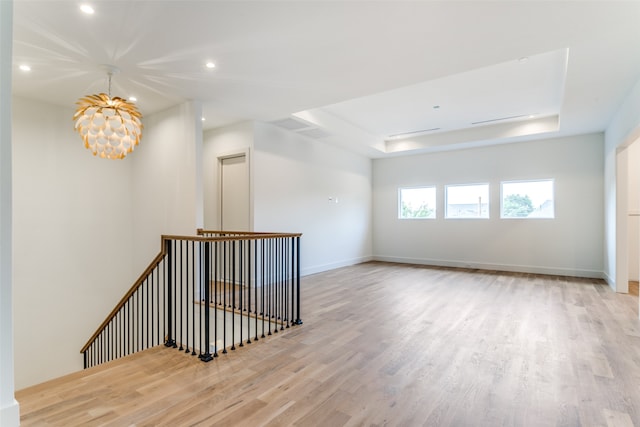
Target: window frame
[[553, 198], [446, 200], [435, 198]]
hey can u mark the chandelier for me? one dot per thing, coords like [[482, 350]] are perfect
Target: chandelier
[[109, 127]]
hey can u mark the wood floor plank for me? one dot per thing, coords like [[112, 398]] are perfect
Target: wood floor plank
[[388, 345]]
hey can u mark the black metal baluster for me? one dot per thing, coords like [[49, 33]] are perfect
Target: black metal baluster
[[189, 286], [283, 283], [170, 342], [276, 281], [181, 287], [241, 285], [154, 293], [200, 294], [264, 284], [298, 319], [174, 310], [281, 286], [158, 310], [193, 298], [206, 357], [255, 285], [134, 314], [216, 298], [126, 328], [224, 296], [293, 276], [287, 279], [119, 333], [269, 283], [232, 268]]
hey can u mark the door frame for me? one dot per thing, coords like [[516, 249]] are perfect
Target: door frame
[[229, 155]]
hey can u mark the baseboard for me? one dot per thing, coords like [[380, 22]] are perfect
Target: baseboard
[[495, 267], [325, 267], [609, 280], [10, 415]]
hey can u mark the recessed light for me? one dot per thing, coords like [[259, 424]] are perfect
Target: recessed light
[[203, 119], [87, 9], [523, 59], [210, 65], [133, 99], [25, 67]]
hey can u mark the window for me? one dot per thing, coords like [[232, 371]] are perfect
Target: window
[[417, 203], [467, 201], [527, 199]]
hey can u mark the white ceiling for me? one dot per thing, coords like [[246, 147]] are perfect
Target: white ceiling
[[353, 73]]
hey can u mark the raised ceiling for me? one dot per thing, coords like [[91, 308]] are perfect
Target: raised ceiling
[[379, 78]]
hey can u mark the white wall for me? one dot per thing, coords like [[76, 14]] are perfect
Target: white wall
[[9, 408], [623, 129], [72, 243], [223, 141], [570, 244], [166, 180], [294, 177], [84, 228], [633, 208]]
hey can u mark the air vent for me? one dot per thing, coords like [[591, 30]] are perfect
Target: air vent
[[291, 124], [500, 119], [406, 134], [314, 133]]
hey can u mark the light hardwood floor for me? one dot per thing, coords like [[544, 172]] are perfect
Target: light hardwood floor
[[633, 288], [386, 344]]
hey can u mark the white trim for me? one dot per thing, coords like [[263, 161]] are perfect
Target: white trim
[[609, 281], [593, 274], [10, 415]]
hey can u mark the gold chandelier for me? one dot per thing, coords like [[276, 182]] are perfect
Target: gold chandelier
[[109, 127]]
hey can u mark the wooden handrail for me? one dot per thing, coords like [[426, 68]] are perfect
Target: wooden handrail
[[201, 231], [253, 236], [241, 235], [125, 298]]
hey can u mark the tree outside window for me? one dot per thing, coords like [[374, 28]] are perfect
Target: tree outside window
[[417, 203], [527, 199]]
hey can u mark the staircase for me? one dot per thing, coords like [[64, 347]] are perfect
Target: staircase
[[205, 295]]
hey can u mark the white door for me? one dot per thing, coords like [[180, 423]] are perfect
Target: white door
[[234, 193]]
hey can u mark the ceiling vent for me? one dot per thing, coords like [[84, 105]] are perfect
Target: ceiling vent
[[500, 119], [412, 133]]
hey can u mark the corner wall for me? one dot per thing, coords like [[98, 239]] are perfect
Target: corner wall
[[72, 240], [166, 180], [623, 130], [570, 244], [9, 408], [294, 179]]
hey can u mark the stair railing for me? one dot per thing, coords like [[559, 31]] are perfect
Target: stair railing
[[205, 294]]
